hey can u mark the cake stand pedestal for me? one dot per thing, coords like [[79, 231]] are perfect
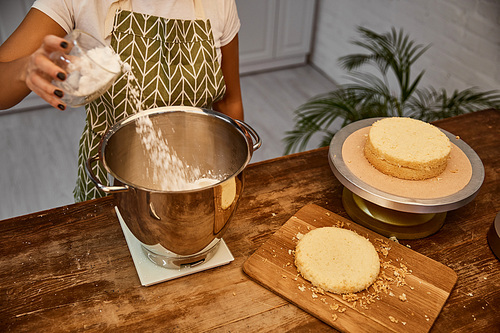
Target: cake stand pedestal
[[389, 222]]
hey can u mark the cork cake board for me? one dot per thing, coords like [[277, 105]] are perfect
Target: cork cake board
[[456, 176], [408, 296]]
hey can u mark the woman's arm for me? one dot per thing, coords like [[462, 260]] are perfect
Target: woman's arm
[[24, 61], [231, 104]]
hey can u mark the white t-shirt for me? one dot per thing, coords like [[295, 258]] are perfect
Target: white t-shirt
[[90, 15]]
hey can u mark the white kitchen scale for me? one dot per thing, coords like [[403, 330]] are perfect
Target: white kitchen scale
[[150, 273]]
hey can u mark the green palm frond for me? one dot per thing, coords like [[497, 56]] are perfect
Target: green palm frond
[[372, 90], [370, 95], [392, 51], [317, 115], [430, 104]]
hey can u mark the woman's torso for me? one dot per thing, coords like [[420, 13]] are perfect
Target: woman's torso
[[90, 15]]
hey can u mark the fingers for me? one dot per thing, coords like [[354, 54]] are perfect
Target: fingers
[[41, 71], [53, 43], [46, 90]]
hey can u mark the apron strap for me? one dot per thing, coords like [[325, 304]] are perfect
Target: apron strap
[[199, 11], [110, 17]]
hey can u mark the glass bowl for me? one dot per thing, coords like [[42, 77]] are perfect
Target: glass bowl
[[91, 68]]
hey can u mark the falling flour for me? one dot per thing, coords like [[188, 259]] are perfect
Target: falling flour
[[169, 172]]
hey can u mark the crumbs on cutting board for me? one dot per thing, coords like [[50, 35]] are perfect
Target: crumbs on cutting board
[[393, 272]]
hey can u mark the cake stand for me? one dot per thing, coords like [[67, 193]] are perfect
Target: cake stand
[[404, 217]]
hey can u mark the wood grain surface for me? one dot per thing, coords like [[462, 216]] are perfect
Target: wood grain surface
[[68, 269], [415, 287]]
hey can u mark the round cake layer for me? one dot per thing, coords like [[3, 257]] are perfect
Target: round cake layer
[[407, 148], [337, 260]]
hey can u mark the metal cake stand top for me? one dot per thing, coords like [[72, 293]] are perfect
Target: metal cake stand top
[[400, 203]]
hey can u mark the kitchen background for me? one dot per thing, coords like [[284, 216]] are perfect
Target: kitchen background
[[288, 54]]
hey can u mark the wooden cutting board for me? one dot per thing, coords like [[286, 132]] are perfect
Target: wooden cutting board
[[410, 302]]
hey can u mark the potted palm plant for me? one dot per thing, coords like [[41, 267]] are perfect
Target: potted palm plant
[[370, 93]]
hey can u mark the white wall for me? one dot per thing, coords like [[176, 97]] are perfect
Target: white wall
[[465, 37]]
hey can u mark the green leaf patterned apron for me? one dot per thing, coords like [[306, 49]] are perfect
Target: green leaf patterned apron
[[173, 62]]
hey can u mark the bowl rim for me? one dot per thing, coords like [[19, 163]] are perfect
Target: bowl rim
[[174, 109]]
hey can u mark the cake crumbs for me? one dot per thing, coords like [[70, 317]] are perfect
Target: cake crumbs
[[318, 290], [383, 247], [339, 224], [350, 297], [392, 272], [394, 239]]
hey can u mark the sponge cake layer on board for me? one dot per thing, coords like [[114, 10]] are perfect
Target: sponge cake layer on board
[[337, 260]]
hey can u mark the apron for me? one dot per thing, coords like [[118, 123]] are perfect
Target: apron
[[173, 62]]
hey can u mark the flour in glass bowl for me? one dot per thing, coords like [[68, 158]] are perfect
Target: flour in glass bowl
[[90, 73]]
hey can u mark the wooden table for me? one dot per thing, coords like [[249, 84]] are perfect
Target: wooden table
[[69, 268]]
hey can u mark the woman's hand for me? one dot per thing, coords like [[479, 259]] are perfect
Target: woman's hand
[[41, 70]]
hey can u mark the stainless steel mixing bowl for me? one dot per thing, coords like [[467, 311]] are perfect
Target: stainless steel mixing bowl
[[178, 228]]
